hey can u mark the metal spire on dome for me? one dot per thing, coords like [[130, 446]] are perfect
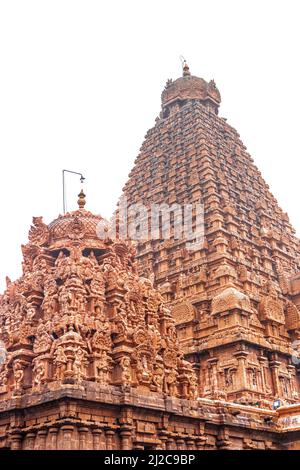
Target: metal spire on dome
[[81, 201]]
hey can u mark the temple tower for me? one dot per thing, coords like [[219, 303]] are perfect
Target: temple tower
[[80, 324], [234, 296]]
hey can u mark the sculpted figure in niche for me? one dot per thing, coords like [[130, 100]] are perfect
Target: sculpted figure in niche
[[3, 376], [18, 370], [60, 264], [27, 261], [17, 311], [193, 387], [49, 304], [171, 336], [102, 368], [111, 271], [60, 362], [144, 374], [78, 301], [125, 365], [102, 325], [158, 377], [43, 340], [79, 363], [96, 292], [87, 266], [66, 267], [170, 382], [64, 299], [284, 386], [252, 378], [39, 374], [229, 378]]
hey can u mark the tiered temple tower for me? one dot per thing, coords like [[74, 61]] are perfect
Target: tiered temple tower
[[235, 297], [84, 339]]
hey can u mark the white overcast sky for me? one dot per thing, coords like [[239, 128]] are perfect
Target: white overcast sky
[[80, 84]]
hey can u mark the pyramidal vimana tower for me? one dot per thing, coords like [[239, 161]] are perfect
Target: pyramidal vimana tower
[[234, 299], [112, 344]]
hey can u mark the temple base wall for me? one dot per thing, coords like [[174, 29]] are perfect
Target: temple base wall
[[109, 418]]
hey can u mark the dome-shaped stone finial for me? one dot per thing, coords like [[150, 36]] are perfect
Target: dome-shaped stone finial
[[81, 201], [189, 88]]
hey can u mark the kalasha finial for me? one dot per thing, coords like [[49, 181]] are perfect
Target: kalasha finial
[[81, 201], [185, 67], [186, 70]]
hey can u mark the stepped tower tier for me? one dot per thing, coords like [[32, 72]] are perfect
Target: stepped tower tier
[[235, 296]]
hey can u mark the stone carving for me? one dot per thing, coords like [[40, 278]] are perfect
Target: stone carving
[[39, 233], [18, 374], [60, 362], [83, 314], [231, 299], [38, 374], [125, 365], [183, 312], [292, 319], [103, 367], [271, 307]]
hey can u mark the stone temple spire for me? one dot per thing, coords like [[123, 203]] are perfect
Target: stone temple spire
[[241, 285]]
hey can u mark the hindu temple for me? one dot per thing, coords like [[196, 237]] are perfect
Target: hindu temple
[[110, 343]]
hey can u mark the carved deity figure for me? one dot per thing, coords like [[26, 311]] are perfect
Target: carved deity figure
[[18, 370], [192, 386], [60, 361], [39, 371], [49, 304], [64, 299], [229, 377], [158, 377], [79, 363], [102, 368], [3, 375], [125, 365], [170, 382]]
